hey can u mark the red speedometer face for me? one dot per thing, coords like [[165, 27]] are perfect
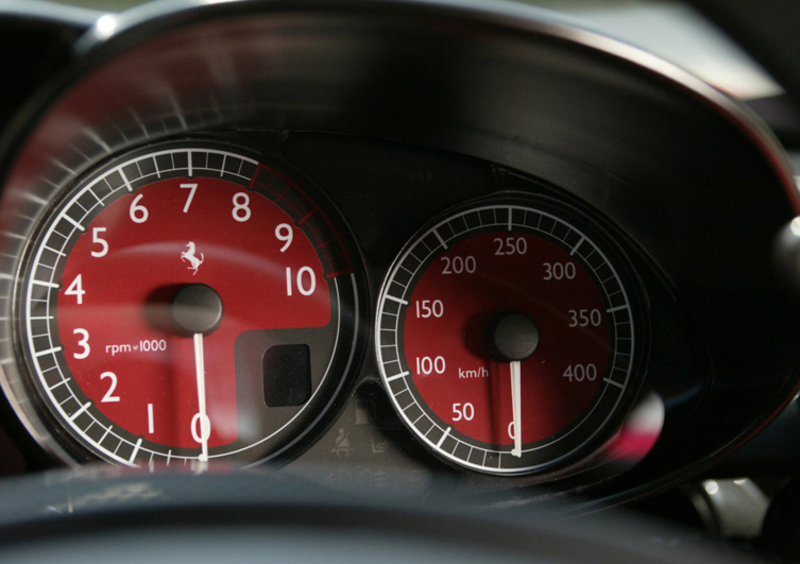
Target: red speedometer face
[[506, 338], [186, 303]]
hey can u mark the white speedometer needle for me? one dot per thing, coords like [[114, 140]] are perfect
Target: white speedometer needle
[[200, 366], [516, 407], [512, 337]]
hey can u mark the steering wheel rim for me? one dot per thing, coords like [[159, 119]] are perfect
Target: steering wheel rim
[[105, 514]]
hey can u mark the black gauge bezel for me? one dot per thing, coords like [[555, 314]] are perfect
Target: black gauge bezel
[[350, 309], [607, 411]]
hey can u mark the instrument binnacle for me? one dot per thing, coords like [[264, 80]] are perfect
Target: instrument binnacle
[[189, 301]]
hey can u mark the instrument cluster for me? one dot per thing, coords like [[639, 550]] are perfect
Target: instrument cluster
[[230, 240], [187, 302]]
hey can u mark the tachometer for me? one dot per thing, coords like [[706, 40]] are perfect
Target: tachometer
[[186, 302], [508, 335]]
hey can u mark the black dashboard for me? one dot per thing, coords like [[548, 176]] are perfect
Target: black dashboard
[[369, 242]]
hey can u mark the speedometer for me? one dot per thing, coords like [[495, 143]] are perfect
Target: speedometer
[[509, 334], [186, 302]]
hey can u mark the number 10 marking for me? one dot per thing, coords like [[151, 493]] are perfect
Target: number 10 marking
[[306, 281]]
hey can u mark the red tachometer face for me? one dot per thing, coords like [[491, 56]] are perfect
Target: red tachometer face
[[439, 355], [179, 245], [116, 364]]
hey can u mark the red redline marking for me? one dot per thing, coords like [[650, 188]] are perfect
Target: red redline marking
[[335, 274], [268, 187], [325, 219], [279, 175], [305, 217]]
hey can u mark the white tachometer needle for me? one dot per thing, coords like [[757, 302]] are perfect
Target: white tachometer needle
[[200, 366], [516, 407], [197, 310]]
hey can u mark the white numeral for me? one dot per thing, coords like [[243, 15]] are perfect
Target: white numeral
[[76, 289], [200, 435], [284, 233], [427, 365], [306, 281], [465, 412], [192, 189], [511, 246], [110, 397], [100, 241], [151, 424], [241, 207], [459, 265], [139, 214], [580, 372], [154, 345], [84, 342], [585, 317], [429, 308], [559, 270]]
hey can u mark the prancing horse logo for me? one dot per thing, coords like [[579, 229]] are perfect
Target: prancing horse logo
[[194, 262]]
